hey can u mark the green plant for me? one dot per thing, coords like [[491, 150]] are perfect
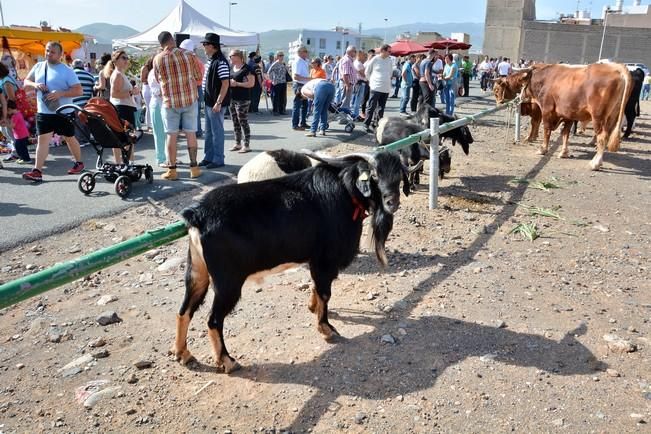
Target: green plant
[[545, 185], [529, 231], [543, 212]]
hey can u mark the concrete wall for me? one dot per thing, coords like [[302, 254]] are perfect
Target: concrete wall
[[503, 26], [630, 20], [555, 42]]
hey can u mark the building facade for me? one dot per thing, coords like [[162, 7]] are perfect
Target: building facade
[[319, 43], [511, 30]]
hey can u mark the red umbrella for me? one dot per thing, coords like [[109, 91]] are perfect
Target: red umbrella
[[448, 44], [403, 48]]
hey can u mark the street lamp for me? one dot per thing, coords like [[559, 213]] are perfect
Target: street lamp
[[603, 35], [385, 30], [229, 12]]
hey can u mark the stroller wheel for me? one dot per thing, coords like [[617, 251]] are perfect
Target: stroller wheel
[[349, 128], [123, 186], [86, 183], [136, 174], [149, 174]]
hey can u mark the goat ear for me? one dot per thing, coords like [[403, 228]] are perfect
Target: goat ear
[[363, 183]]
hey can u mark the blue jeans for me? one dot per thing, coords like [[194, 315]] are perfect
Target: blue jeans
[[450, 92], [214, 136], [339, 92], [645, 91], [358, 96], [157, 127], [404, 98], [300, 106], [324, 93], [200, 102]]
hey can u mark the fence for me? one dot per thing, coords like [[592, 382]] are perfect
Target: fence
[[435, 130], [61, 274]]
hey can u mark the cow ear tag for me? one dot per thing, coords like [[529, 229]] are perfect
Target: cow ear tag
[[363, 183]]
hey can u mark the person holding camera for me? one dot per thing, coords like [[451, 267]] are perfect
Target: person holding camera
[[56, 84]]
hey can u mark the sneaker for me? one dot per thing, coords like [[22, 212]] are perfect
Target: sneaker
[[78, 167], [21, 161], [203, 163], [310, 134], [298, 128], [11, 157], [33, 175], [322, 132]]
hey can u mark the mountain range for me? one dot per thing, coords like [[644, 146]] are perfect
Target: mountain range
[[279, 39]]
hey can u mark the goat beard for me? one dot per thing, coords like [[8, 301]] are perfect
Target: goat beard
[[381, 225]]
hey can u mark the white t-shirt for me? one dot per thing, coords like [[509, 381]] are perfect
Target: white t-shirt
[[504, 68], [437, 66], [359, 66], [308, 89], [378, 72], [302, 68]]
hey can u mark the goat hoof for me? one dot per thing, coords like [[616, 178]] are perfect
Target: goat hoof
[[184, 356], [328, 331], [230, 365]]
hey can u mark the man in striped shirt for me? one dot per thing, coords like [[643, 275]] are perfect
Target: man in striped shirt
[[348, 75], [178, 73], [87, 82]]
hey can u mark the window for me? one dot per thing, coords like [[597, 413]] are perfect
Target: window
[[322, 43], [308, 41], [338, 45]]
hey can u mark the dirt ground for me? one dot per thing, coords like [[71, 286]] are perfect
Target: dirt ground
[[470, 329]]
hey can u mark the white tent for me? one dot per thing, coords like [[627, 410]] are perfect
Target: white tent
[[187, 20]]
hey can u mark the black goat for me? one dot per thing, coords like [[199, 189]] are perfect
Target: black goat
[[391, 129], [313, 216]]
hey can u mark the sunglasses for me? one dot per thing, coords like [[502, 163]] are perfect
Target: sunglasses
[[124, 58]]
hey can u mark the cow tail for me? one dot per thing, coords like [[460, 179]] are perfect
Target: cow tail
[[614, 139]]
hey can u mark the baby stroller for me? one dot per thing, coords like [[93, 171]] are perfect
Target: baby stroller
[[343, 115], [107, 130]]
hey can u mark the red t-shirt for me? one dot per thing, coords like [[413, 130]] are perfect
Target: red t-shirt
[[19, 126]]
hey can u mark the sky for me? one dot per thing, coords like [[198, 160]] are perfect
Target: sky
[[263, 15]]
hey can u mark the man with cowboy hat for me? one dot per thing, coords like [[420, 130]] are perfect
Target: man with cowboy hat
[[216, 79]]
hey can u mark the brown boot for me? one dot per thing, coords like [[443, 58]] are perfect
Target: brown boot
[[195, 172], [170, 174]]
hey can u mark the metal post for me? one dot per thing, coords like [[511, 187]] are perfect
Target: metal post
[[603, 35], [517, 123], [433, 162]]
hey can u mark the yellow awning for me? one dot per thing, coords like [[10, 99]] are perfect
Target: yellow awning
[[34, 41]]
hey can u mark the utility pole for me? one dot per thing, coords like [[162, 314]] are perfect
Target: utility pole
[[385, 30], [229, 12], [2, 15]]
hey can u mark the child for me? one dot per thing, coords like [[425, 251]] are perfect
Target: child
[[21, 133], [138, 100]]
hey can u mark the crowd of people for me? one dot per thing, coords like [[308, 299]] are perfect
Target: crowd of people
[[174, 84]]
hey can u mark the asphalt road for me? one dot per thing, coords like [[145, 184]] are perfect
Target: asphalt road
[[31, 211]]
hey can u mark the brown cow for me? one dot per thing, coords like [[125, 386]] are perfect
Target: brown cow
[[596, 93]]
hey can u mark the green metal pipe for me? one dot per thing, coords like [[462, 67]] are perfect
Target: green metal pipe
[[60, 274], [407, 141]]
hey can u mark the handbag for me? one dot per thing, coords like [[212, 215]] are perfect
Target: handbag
[[51, 104], [288, 77]]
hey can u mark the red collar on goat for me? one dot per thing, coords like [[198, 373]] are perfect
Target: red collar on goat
[[359, 211]]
